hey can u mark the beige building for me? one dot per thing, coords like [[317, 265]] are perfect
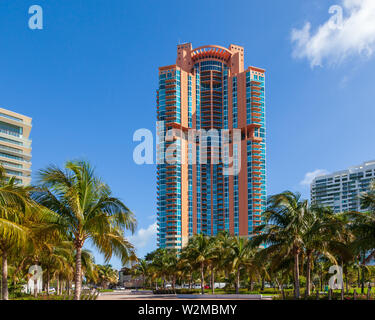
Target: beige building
[[15, 145]]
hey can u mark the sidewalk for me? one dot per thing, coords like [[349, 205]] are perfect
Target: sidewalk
[[129, 295]]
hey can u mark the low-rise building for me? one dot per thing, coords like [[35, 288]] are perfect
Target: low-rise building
[[341, 190]]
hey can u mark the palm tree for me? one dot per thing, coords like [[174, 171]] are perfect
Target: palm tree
[[89, 270], [14, 206], [363, 224], [239, 257], [106, 275], [283, 233], [263, 268], [215, 257], [142, 268], [224, 247], [159, 262], [55, 260], [322, 237], [255, 266], [186, 269], [199, 249], [171, 266], [86, 211]]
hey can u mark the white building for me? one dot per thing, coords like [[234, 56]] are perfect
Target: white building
[[15, 145], [340, 190]]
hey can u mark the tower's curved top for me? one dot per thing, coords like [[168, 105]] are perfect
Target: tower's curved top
[[232, 56], [210, 51]]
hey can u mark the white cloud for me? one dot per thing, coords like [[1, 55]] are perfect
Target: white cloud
[[310, 176], [144, 237], [353, 35]]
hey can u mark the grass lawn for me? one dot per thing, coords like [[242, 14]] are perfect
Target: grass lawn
[[40, 297], [270, 292]]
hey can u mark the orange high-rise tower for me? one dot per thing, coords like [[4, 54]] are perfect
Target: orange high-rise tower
[[208, 88]]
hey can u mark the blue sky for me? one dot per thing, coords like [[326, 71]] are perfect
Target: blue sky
[[88, 80]]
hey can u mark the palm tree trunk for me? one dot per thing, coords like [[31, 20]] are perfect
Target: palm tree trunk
[[347, 284], [47, 282], [202, 278], [296, 274], [78, 272], [5, 275], [212, 280], [363, 274], [57, 286], [251, 284], [61, 284], [345, 271], [359, 277], [238, 281], [68, 287], [35, 285], [263, 284], [308, 275]]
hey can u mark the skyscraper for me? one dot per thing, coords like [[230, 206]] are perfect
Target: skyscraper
[[15, 146], [341, 190], [208, 88]]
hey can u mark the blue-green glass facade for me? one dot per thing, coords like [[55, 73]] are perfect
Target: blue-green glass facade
[[205, 91]]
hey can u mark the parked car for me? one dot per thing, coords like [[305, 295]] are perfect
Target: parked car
[[52, 290]]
